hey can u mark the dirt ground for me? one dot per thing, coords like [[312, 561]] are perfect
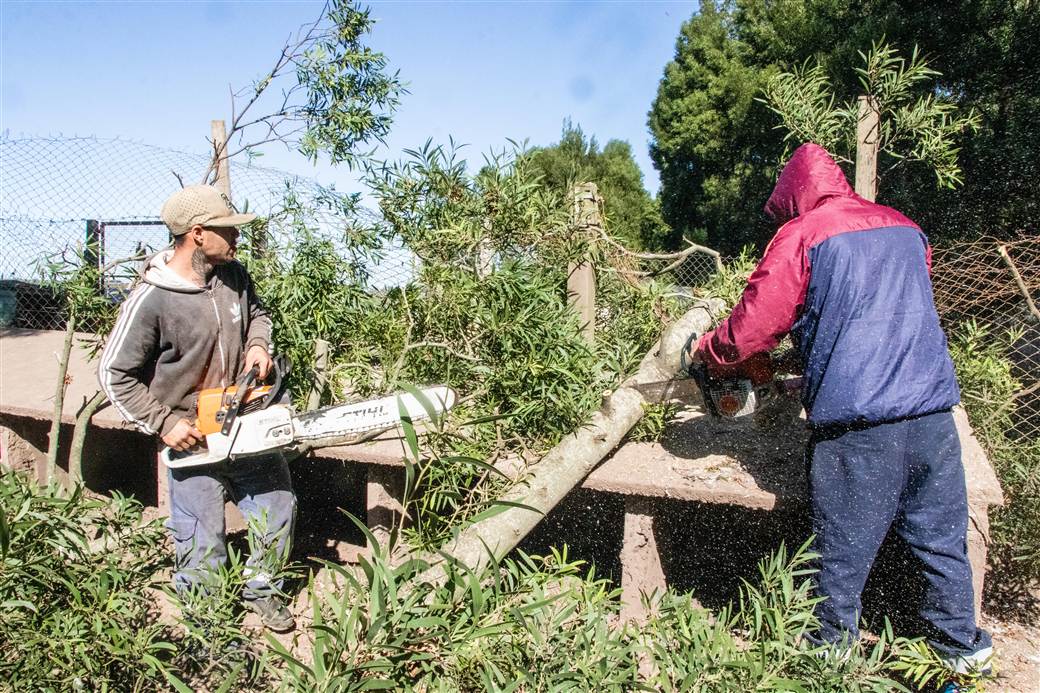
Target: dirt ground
[[1017, 649]]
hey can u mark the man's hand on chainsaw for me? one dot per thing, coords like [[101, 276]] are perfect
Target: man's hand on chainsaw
[[183, 436], [258, 356]]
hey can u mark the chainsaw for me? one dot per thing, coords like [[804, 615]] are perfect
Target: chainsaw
[[737, 392], [249, 419]]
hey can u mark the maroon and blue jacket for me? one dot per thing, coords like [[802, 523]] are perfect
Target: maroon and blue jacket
[[849, 279]]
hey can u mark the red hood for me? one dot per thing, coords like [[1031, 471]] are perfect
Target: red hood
[[808, 179]]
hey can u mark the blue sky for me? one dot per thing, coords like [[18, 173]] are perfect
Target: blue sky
[[157, 72]]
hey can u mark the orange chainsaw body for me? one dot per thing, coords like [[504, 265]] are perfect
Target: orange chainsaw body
[[213, 405]]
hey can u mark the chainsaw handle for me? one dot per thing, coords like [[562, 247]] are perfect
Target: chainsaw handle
[[175, 460], [242, 385], [698, 372], [685, 365], [280, 367]]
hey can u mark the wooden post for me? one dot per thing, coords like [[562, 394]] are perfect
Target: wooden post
[[218, 134], [868, 141], [581, 275], [581, 292], [321, 367]]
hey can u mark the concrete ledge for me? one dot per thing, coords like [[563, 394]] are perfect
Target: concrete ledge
[[759, 466], [29, 377]]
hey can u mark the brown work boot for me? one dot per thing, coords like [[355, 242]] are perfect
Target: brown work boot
[[273, 613]]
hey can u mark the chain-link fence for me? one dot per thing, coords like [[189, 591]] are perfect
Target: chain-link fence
[[988, 290], [62, 196], [696, 270]]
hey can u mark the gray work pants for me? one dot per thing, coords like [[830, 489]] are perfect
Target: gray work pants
[[262, 490]]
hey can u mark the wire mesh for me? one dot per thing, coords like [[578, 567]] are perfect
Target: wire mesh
[[59, 194], [696, 270], [996, 284]]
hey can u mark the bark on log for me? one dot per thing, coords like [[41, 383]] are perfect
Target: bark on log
[[567, 464]]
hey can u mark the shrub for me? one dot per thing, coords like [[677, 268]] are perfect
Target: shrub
[[758, 643], [729, 284], [542, 623], [988, 389], [486, 311], [76, 591]]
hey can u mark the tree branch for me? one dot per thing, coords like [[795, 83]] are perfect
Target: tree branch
[[441, 345], [570, 461], [1002, 249], [288, 55], [677, 258], [79, 435]]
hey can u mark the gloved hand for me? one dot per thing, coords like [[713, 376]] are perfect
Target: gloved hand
[[758, 369]]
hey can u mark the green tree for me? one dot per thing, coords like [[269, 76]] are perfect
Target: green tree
[[632, 215], [711, 139], [327, 93], [707, 129], [910, 129]]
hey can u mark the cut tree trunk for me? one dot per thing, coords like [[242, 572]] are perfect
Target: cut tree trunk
[[567, 464]]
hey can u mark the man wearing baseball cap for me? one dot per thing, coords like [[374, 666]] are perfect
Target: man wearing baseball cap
[[194, 322]]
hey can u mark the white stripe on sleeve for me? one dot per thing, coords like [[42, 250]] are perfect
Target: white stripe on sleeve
[[115, 343]]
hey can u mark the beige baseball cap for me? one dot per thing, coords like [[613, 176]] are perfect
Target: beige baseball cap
[[203, 205]]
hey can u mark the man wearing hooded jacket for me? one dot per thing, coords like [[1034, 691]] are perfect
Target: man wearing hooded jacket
[[194, 322], [849, 280]]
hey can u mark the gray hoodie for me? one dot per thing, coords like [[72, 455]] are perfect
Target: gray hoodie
[[174, 338]]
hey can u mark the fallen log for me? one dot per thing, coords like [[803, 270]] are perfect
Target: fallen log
[[573, 458]]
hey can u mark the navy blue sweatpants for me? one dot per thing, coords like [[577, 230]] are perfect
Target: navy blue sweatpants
[[907, 475]]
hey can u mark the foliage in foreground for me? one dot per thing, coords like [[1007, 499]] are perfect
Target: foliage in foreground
[[79, 614], [540, 623], [75, 581], [82, 580]]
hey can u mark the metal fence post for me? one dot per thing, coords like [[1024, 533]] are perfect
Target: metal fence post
[[92, 249]]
